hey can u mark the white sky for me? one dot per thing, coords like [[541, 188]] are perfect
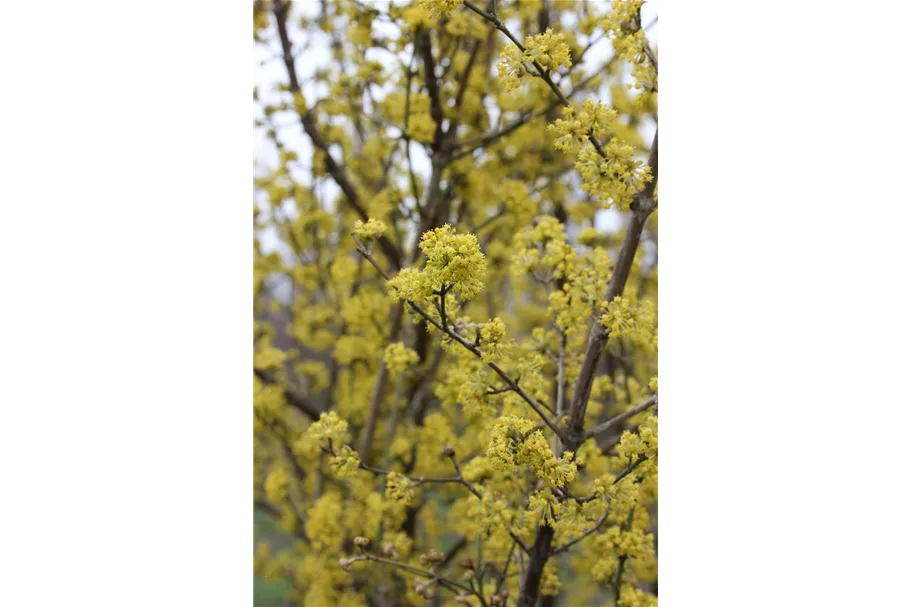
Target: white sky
[[265, 70]]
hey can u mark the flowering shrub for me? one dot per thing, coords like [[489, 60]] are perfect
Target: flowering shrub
[[455, 363]]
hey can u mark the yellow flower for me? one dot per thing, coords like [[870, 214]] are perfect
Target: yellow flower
[[329, 427], [548, 49], [399, 357], [399, 488], [371, 229], [440, 8], [421, 127], [345, 462], [454, 261]]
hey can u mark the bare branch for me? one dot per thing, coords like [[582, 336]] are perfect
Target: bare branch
[[605, 426], [297, 400]]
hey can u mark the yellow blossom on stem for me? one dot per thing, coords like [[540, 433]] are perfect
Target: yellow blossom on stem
[[371, 229], [440, 8], [330, 427], [399, 357]]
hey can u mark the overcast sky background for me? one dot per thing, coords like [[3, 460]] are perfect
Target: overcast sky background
[[269, 70]]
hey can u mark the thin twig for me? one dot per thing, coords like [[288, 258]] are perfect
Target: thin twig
[[512, 383], [605, 426], [449, 584], [584, 535]]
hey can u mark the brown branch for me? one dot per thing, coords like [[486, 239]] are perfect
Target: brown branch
[[297, 400], [537, 558], [450, 453], [422, 45], [642, 207], [452, 552], [512, 383], [472, 145], [542, 73], [281, 9], [584, 535], [605, 426], [448, 584], [463, 85]]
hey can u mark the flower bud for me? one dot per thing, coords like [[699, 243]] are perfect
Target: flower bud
[[390, 551]]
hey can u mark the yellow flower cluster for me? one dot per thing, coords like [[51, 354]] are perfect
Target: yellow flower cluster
[[421, 128], [630, 596], [644, 444], [636, 321], [557, 258], [489, 512], [416, 16], [268, 358], [550, 581], [345, 462], [520, 276], [399, 357], [548, 49], [330, 427], [515, 197], [541, 506], [276, 484], [494, 344], [630, 43], [615, 178], [324, 521], [399, 488], [458, 24], [514, 441], [454, 261], [578, 122], [371, 229], [440, 8]]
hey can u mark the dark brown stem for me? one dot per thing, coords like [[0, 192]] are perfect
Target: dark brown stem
[[642, 208], [605, 426], [281, 9], [537, 558], [297, 400], [422, 45]]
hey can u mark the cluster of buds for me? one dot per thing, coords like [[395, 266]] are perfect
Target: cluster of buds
[[468, 565], [424, 589], [433, 557], [500, 599], [390, 551], [362, 542]]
